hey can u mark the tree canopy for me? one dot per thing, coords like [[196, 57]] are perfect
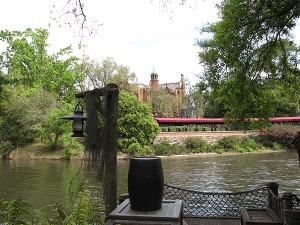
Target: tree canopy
[[249, 56], [135, 123]]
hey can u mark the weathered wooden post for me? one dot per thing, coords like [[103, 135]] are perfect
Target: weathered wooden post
[[273, 186], [101, 138], [110, 148], [296, 142], [288, 200]]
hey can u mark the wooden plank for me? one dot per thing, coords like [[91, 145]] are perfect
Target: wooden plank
[[212, 221], [171, 211], [131, 222], [259, 216]]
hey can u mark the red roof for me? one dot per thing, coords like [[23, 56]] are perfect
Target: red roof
[[219, 120], [190, 120]]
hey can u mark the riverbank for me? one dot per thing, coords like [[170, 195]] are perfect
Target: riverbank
[[40, 151], [167, 144]]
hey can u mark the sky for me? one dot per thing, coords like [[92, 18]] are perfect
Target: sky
[[139, 34]]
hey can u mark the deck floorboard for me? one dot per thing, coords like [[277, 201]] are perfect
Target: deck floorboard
[[212, 221]]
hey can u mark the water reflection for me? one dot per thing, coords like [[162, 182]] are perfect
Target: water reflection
[[44, 182]]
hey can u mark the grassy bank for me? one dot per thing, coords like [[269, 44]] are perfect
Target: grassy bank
[[193, 146], [40, 150]]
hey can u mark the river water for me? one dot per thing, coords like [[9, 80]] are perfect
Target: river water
[[44, 182]]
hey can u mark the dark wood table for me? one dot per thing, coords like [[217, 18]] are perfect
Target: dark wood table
[[259, 216], [169, 214]]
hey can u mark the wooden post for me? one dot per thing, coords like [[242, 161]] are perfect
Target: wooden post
[[103, 150], [273, 186], [296, 142], [110, 149], [288, 200]]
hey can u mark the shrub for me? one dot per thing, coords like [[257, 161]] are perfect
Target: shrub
[[229, 142], [135, 149], [195, 143], [250, 144], [281, 134], [72, 147], [6, 147], [164, 148]]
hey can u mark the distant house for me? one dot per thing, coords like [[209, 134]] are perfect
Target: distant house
[[176, 89]]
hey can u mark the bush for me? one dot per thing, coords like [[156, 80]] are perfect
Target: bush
[[230, 142], [280, 134], [72, 147], [135, 149], [238, 144], [164, 148], [250, 143], [6, 147], [195, 143]]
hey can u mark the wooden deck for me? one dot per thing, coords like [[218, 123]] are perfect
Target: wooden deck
[[212, 221]]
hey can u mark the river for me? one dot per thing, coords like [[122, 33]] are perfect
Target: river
[[43, 182]]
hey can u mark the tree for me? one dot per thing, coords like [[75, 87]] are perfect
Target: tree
[[25, 61], [135, 123], [22, 110], [52, 128], [163, 103], [248, 53], [99, 74], [194, 100]]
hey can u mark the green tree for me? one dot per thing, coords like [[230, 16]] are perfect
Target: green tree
[[194, 100], [163, 103], [135, 123], [22, 110], [99, 74], [52, 128], [249, 53], [25, 61]]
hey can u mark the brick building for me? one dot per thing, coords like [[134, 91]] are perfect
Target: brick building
[[176, 89]]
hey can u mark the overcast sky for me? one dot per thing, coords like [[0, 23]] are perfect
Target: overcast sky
[[136, 33]]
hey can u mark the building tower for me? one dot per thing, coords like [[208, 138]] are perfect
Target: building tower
[[154, 84]]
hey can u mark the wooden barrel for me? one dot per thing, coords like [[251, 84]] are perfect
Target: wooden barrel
[[145, 183]]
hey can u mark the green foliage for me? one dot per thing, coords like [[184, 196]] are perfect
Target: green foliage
[[6, 147], [135, 123], [194, 100], [34, 83], [27, 63], [162, 103], [195, 144], [237, 144], [250, 59], [230, 142], [72, 148], [83, 209], [99, 74], [52, 129], [164, 148], [14, 212], [135, 149], [23, 112], [278, 135]]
